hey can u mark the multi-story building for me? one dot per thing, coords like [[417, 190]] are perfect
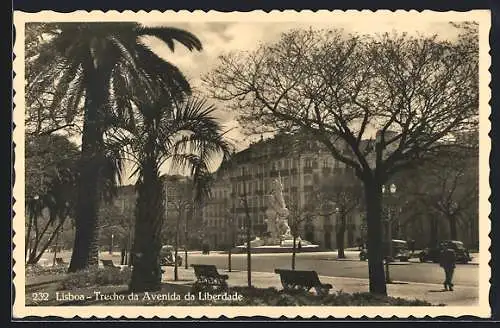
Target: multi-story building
[[178, 191], [301, 165]]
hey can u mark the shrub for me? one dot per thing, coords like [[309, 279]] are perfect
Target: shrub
[[96, 277], [273, 297], [38, 270]]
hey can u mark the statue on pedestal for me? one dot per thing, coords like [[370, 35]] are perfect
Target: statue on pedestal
[[277, 215]]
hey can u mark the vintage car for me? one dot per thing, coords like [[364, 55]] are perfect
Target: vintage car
[[167, 256], [433, 253], [399, 251]]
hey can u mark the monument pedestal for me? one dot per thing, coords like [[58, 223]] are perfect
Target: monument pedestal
[[277, 245]]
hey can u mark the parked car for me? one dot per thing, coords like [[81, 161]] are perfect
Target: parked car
[[167, 256], [399, 251], [433, 253]]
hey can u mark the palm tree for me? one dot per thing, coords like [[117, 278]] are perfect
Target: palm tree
[[187, 134], [98, 64]]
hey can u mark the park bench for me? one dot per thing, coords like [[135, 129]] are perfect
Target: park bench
[[295, 280], [207, 277]]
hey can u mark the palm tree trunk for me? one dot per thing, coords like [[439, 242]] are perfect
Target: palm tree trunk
[[146, 273], [86, 245]]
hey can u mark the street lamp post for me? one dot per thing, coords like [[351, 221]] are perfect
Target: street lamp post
[[391, 191], [248, 232], [231, 222]]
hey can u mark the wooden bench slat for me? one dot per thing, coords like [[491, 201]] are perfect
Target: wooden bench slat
[[302, 280], [208, 276]]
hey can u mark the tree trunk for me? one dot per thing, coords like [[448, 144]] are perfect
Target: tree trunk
[[229, 253], [340, 236], [150, 210], [28, 235], [86, 245], [186, 238], [176, 250], [34, 257], [294, 250], [452, 219], [55, 249], [433, 233], [340, 242], [373, 196]]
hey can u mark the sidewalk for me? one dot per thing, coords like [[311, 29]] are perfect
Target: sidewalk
[[433, 293]]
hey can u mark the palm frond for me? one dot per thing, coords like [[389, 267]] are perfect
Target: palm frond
[[166, 76], [171, 34]]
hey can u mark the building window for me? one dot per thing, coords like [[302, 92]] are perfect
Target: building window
[[326, 163], [308, 163], [308, 179]]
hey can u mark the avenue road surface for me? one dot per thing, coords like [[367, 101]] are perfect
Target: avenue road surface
[[326, 264]]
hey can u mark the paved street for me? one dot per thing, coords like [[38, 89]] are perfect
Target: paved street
[[326, 264]]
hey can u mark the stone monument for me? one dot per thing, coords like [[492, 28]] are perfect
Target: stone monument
[[277, 215]]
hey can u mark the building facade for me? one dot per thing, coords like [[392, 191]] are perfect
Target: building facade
[[301, 166]]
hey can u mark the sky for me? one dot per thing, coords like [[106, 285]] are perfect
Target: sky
[[221, 37]]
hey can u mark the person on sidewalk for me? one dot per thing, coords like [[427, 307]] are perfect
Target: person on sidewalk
[[447, 262]]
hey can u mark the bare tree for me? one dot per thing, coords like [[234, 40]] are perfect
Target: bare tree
[[448, 186], [298, 217], [340, 89], [340, 195]]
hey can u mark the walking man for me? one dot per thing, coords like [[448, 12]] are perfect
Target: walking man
[[447, 262]]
